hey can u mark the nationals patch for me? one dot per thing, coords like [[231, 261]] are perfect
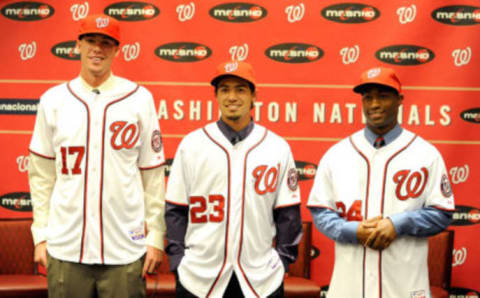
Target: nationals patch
[[156, 141], [292, 179], [445, 186]]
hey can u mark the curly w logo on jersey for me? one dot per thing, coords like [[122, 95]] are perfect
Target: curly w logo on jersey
[[266, 179], [410, 184], [125, 135]]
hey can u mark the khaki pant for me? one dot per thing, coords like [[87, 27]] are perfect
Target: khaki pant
[[72, 280]]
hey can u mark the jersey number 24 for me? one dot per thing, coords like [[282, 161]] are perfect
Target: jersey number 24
[[354, 213]]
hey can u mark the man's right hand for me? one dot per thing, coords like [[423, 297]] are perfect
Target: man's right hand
[[40, 254], [365, 228]]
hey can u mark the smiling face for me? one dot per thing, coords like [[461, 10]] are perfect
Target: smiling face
[[96, 54], [380, 106], [235, 99]]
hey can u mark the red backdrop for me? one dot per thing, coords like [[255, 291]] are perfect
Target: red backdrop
[[307, 56]]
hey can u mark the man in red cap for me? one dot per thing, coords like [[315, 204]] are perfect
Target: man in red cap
[[233, 187], [379, 194], [96, 176]]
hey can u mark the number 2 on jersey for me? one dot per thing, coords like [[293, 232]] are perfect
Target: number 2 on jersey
[[354, 212], [199, 204]]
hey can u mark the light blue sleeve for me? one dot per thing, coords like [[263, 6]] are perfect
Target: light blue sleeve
[[423, 222], [333, 226]]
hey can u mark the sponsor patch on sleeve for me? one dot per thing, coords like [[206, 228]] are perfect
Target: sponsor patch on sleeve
[[292, 179], [445, 186], [156, 141]]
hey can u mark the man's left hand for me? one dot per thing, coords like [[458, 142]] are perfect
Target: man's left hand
[[153, 259], [382, 236]]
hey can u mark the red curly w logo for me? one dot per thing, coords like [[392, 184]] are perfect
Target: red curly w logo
[[410, 184], [124, 136]]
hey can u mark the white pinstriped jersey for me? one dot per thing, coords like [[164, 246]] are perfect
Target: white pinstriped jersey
[[231, 191], [361, 182], [99, 143]]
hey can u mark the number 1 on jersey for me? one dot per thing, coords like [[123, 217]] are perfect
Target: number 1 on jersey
[[79, 151]]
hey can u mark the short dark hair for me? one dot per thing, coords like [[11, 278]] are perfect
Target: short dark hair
[[250, 85], [362, 89]]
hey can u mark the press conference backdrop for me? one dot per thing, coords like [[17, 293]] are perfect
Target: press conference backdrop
[[307, 55]]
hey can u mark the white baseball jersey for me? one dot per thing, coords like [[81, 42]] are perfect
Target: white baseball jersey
[[99, 143], [231, 191], [361, 182]]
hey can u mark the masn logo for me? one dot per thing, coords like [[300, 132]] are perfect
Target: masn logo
[[238, 12], [132, 11], [405, 55], [17, 201], [66, 50], [472, 115], [294, 53], [465, 216], [306, 170], [27, 11], [183, 52], [457, 15], [350, 13]]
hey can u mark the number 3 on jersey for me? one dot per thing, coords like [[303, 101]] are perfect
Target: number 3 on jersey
[[354, 212], [200, 211]]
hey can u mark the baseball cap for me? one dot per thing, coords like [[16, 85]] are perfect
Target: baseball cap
[[239, 69], [380, 76], [100, 24]]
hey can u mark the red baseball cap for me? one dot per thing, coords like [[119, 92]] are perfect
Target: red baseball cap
[[238, 69], [379, 76], [100, 24]]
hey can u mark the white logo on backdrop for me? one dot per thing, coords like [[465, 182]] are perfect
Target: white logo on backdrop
[[295, 12], [459, 256], [186, 11], [131, 51], [79, 11], [239, 53], [27, 50], [459, 174], [406, 14], [22, 162], [350, 54], [462, 56]]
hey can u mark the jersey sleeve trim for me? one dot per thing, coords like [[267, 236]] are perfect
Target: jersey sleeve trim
[[41, 155], [287, 205], [153, 167], [443, 209], [321, 206], [175, 203]]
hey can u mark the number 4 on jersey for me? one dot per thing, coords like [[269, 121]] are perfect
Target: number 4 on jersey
[[354, 212]]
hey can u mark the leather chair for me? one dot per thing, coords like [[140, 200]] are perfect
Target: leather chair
[[19, 276], [440, 249], [18, 272]]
